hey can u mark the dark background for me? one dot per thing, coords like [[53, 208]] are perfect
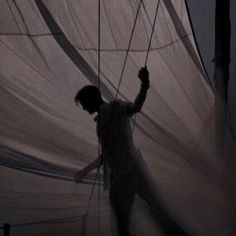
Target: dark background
[[203, 18]]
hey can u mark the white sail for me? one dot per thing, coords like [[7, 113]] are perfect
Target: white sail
[[48, 51]]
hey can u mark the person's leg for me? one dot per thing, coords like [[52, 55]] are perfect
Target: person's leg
[[121, 199], [167, 224]]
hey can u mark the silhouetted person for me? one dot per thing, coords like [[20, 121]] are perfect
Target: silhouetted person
[[121, 159]]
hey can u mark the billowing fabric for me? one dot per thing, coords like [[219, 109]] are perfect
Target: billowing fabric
[[48, 51]]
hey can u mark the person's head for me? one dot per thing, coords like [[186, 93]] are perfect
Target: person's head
[[90, 98]]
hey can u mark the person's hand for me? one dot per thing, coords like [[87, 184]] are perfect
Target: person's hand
[[144, 76], [79, 176]]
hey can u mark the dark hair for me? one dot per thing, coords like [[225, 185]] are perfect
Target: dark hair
[[88, 93]]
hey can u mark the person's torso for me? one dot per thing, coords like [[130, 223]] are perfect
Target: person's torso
[[115, 135]]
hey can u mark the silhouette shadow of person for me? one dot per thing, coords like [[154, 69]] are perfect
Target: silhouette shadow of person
[[123, 166]]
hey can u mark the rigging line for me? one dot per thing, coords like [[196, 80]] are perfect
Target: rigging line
[[127, 51], [169, 67], [160, 97], [99, 43], [153, 27], [180, 38], [172, 72], [148, 49], [97, 178], [99, 85]]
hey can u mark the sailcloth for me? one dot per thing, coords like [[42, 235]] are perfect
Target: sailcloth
[[48, 51]]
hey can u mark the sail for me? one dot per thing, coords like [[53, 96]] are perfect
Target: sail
[[49, 50]]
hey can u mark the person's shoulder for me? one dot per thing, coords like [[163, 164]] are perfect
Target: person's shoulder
[[119, 103], [115, 102], [121, 106]]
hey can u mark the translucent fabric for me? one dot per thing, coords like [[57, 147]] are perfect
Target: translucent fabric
[[48, 51]]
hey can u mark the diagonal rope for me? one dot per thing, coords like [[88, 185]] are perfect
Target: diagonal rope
[[128, 48], [148, 49], [153, 27]]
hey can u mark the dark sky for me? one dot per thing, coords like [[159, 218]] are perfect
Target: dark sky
[[203, 16]]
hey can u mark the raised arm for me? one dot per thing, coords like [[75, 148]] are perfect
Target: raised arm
[[139, 100], [82, 173]]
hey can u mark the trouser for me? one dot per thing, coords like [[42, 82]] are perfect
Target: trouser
[[122, 193]]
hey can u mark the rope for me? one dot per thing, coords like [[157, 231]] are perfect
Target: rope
[[99, 43], [99, 82], [153, 27], [148, 49], [97, 178], [127, 51]]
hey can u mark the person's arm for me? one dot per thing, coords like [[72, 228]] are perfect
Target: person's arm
[[138, 103], [82, 173]]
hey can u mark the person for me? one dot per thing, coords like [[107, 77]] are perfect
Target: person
[[121, 159]]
